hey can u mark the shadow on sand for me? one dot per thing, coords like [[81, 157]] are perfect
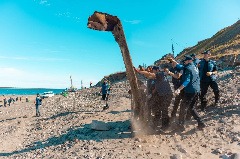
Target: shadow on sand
[[118, 130]]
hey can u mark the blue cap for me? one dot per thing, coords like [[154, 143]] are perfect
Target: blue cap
[[193, 55], [187, 57], [206, 52]]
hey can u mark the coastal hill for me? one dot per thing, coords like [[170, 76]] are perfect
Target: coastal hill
[[225, 41]]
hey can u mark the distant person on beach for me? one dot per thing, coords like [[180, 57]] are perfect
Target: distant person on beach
[[13, 100], [104, 91], [26, 99], [5, 102], [38, 103], [9, 101], [207, 72], [90, 84], [195, 59], [20, 99], [16, 99]]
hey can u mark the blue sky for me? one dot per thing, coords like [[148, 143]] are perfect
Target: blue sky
[[43, 42]]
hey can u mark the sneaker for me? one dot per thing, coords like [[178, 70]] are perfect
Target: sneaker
[[201, 125]]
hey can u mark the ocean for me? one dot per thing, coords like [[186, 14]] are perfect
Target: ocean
[[15, 91]]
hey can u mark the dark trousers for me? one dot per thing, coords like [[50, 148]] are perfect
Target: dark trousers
[[204, 88], [37, 110], [160, 108], [188, 106], [178, 98]]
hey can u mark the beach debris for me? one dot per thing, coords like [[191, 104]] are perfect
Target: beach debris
[[99, 125], [106, 22]]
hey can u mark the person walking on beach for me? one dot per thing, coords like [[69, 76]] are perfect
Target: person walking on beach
[[207, 73], [38, 103], [5, 102], [104, 91], [9, 101], [191, 86], [20, 99]]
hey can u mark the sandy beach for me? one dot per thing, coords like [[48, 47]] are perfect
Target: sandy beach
[[64, 128]]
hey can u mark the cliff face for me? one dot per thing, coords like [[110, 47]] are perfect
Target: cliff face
[[226, 41]]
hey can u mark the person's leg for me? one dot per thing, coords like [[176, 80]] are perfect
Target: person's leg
[[204, 87], [214, 86], [176, 104], [187, 99], [156, 111], [165, 103]]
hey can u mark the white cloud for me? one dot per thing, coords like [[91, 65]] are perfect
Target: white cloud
[[42, 2], [13, 58], [133, 21]]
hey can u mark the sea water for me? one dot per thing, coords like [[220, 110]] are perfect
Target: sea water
[[15, 91]]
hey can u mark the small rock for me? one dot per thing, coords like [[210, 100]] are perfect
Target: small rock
[[176, 156], [99, 125]]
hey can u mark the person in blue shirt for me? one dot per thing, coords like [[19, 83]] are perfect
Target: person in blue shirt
[[207, 73], [176, 73], [191, 86], [38, 103], [104, 89], [161, 96], [5, 102], [9, 101], [104, 92], [195, 59]]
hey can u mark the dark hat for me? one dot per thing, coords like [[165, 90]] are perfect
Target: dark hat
[[206, 52], [155, 67], [193, 55], [187, 57], [105, 79], [37, 94]]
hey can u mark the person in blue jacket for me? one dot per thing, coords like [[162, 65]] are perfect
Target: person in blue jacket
[[38, 103], [104, 91], [195, 59], [191, 86], [207, 73]]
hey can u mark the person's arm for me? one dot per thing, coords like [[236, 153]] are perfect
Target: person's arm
[[148, 74], [214, 72], [177, 75]]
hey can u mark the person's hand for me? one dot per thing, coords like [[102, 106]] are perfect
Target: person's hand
[[137, 69], [166, 70], [209, 73], [177, 92], [141, 68]]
